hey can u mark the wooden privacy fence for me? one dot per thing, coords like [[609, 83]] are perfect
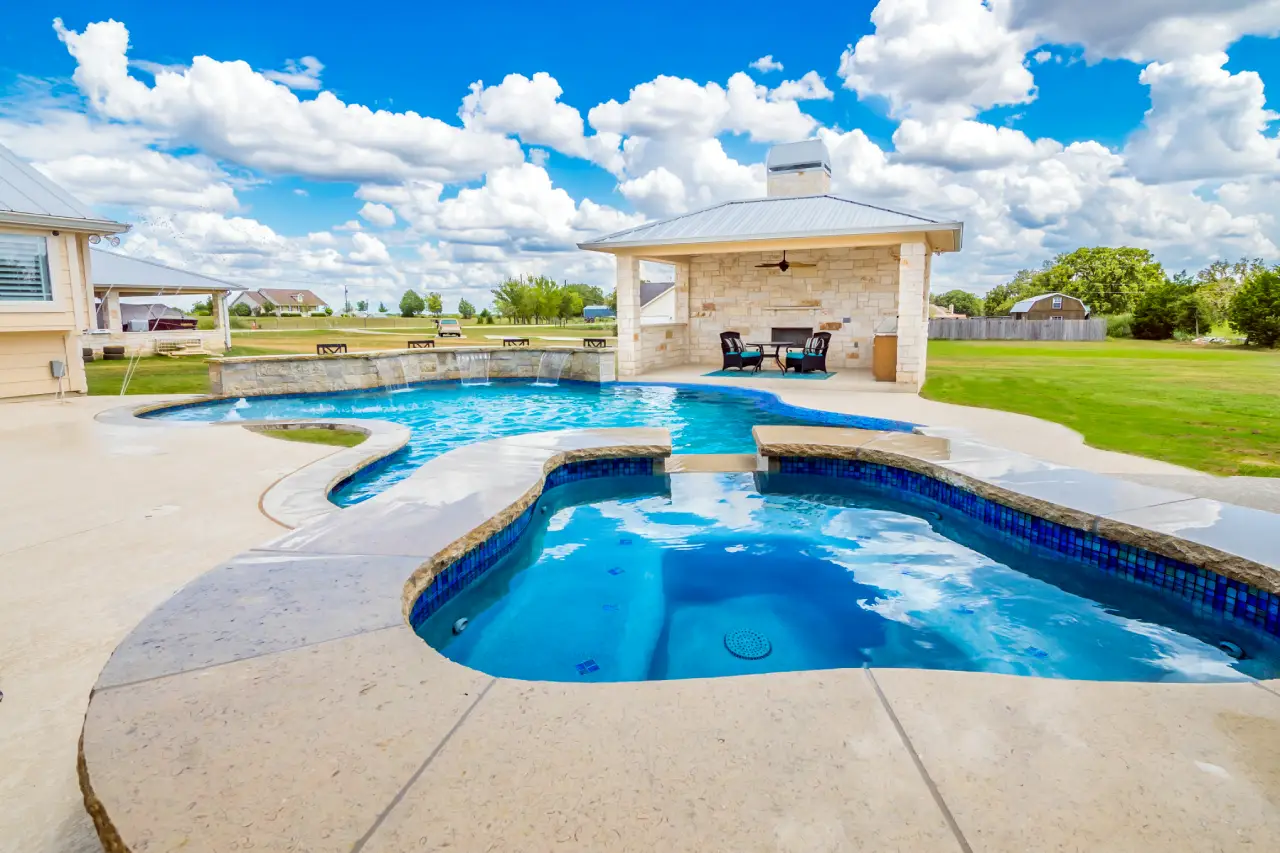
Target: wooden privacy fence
[[1009, 329]]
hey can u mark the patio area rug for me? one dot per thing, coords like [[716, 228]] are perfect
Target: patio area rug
[[769, 374]]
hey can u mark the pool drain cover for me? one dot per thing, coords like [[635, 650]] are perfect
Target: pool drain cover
[[747, 645]]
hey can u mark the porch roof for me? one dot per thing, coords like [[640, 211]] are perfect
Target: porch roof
[[29, 198], [780, 217], [137, 277]]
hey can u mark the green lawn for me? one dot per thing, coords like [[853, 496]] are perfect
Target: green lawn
[[1209, 408], [317, 435]]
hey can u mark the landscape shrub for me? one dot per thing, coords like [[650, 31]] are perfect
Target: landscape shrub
[[1255, 308], [1120, 326], [1155, 316], [289, 314]]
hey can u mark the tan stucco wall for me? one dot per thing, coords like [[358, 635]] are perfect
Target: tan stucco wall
[[34, 333], [729, 292]]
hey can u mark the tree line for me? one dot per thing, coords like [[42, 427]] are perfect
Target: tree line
[[1131, 285], [538, 299]]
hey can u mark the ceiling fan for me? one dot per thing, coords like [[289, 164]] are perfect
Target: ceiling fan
[[784, 265]]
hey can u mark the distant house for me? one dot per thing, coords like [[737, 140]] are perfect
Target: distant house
[[290, 301], [597, 312], [657, 302], [1050, 306], [945, 312]]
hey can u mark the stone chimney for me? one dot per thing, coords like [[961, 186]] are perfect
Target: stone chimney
[[799, 168]]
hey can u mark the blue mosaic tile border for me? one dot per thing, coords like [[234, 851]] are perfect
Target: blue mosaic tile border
[[1226, 598], [464, 571]]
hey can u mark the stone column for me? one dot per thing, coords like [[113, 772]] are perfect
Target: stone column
[[115, 323], [220, 319], [628, 284], [913, 288], [682, 312]]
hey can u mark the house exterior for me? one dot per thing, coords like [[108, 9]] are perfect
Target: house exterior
[[657, 302], [46, 299], [284, 301], [1050, 306], [849, 266]]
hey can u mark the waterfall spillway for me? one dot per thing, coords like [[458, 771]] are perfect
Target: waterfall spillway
[[550, 366], [473, 368]]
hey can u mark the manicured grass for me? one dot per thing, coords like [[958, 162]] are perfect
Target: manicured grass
[[153, 375], [1209, 408], [317, 435]]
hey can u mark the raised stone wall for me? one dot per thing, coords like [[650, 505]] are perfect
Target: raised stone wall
[[304, 374], [730, 292], [664, 345]]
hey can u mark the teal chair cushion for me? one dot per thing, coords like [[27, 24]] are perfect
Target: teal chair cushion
[[795, 355], [751, 352]]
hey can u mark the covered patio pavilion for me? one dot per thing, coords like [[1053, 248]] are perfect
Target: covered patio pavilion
[[114, 276], [852, 268]]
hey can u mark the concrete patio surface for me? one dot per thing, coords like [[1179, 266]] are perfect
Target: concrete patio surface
[[98, 526], [107, 522]]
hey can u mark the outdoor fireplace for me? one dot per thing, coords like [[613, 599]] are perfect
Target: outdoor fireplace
[[790, 334]]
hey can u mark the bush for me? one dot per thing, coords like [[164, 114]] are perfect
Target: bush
[[289, 314], [1255, 308], [241, 309], [1155, 315], [1120, 326]]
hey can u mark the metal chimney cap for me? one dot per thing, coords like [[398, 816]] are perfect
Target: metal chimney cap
[[799, 156]]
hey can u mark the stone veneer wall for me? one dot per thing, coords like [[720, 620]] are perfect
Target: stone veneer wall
[[304, 374], [664, 345], [729, 292]]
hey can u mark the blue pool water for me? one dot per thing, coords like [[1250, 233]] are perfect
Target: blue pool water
[[445, 415], [610, 585]]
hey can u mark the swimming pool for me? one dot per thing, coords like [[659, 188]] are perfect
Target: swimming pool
[[697, 575], [445, 415]]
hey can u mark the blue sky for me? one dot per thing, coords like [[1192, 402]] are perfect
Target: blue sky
[[1026, 118]]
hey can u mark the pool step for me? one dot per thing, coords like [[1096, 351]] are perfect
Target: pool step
[[690, 463]]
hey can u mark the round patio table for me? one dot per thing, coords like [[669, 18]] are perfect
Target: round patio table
[[778, 346]]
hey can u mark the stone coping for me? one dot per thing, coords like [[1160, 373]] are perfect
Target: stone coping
[[253, 359], [1233, 541], [279, 702]]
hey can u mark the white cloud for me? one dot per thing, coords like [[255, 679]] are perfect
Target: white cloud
[[1042, 56], [949, 58], [1143, 30], [966, 145], [1204, 122], [321, 238], [112, 164], [668, 107], [231, 111], [531, 109], [368, 249], [378, 214], [303, 74], [810, 87], [766, 63]]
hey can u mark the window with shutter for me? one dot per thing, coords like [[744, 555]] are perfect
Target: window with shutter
[[24, 269]]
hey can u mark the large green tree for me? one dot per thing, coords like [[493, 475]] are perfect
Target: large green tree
[[434, 304], [591, 295], [960, 301], [411, 304], [1255, 308], [1221, 279], [1109, 281], [1002, 297], [465, 309]]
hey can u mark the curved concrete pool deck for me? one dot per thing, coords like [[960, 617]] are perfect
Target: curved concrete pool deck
[[280, 702]]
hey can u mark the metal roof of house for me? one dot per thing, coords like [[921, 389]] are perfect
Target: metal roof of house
[[651, 290], [123, 273], [1024, 305], [777, 217], [29, 198]]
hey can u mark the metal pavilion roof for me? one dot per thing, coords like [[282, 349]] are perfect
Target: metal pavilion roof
[[772, 218]]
